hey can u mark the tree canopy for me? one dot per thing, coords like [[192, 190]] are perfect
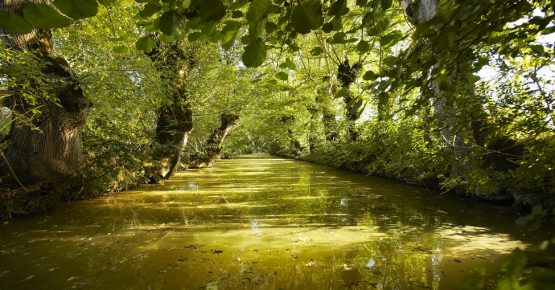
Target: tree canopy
[[451, 95]]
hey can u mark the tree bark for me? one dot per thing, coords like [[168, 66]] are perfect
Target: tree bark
[[175, 121], [347, 75], [53, 150], [215, 143]]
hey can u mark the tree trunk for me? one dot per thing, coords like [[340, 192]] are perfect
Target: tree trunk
[[172, 133], [54, 151], [175, 120], [215, 143], [354, 106]]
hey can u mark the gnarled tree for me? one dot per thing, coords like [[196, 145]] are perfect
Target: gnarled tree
[[175, 120], [214, 145], [49, 149]]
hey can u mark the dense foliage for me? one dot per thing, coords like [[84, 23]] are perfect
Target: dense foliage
[[453, 95]]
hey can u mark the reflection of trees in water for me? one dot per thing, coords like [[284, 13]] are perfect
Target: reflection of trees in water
[[399, 261]]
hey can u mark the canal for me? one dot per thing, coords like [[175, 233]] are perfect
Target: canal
[[261, 222]]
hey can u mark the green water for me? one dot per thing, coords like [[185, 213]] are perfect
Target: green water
[[260, 222]]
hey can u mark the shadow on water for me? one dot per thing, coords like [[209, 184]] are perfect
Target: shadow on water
[[261, 222]]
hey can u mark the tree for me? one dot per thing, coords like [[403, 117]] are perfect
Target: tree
[[175, 120], [50, 149], [213, 149]]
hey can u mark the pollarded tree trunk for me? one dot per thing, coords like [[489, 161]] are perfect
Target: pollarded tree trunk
[[175, 120], [54, 151], [347, 75], [215, 143]]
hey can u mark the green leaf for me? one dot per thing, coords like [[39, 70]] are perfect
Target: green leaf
[[336, 23], [288, 64], [317, 51], [255, 53], [45, 16], [538, 49], [256, 28], [363, 46], [386, 4], [77, 9], [185, 4], [339, 37], [338, 8], [369, 76], [282, 76], [391, 38], [237, 14], [145, 44], [211, 10], [229, 33], [343, 92], [169, 22], [258, 10], [14, 23], [271, 27], [307, 16], [327, 28], [150, 9]]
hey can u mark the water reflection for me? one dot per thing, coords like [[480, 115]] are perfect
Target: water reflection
[[260, 223]]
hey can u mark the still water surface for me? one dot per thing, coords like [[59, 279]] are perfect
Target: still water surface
[[260, 222]]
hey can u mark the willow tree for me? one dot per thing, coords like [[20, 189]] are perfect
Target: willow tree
[[48, 149]]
